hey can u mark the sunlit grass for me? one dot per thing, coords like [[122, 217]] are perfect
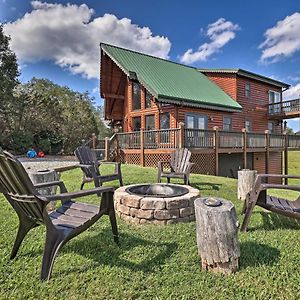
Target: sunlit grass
[[154, 262]]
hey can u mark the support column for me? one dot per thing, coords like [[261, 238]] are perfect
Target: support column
[[244, 148], [142, 153], [216, 148]]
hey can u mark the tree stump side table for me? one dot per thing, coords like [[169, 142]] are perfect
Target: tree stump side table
[[217, 227], [246, 179], [42, 176]]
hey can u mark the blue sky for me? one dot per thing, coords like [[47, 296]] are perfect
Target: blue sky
[[60, 41]]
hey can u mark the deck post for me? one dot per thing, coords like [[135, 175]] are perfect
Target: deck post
[[267, 156], [286, 145], [244, 148], [142, 153], [216, 147], [181, 135], [94, 140], [106, 151]]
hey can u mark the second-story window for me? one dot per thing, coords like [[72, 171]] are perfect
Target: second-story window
[[148, 98], [271, 127], [248, 125], [274, 99], [136, 96], [247, 90], [227, 123]]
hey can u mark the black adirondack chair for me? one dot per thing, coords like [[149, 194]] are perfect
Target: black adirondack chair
[[258, 196], [66, 222], [90, 167], [180, 166]]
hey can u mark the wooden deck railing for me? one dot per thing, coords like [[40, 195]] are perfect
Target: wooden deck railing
[[202, 139], [229, 139], [161, 139], [199, 138], [284, 107]]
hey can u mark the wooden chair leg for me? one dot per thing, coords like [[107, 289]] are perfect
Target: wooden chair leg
[[82, 184], [109, 200], [24, 228], [248, 214], [121, 181], [168, 179], [54, 241]]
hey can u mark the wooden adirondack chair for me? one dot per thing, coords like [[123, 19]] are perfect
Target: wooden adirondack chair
[[258, 196], [180, 166], [69, 220], [90, 167]]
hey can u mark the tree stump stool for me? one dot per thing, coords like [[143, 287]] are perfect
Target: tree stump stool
[[217, 228], [42, 176], [246, 179]]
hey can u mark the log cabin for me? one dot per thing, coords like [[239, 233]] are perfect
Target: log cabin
[[229, 118]]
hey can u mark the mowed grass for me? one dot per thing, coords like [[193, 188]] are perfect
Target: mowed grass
[[154, 262]]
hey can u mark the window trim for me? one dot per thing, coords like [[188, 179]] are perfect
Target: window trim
[[135, 117], [250, 121], [198, 116], [247, 90], [149, 115], [133, 100], [150, 101], [167, 112], [229, 117]]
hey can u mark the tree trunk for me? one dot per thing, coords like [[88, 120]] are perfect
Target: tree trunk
[[217, 228], [246, 179], [45, 176]]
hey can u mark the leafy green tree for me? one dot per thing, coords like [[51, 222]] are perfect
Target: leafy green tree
[[8, 81]]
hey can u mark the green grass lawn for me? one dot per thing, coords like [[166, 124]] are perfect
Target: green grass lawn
[[154, 262]]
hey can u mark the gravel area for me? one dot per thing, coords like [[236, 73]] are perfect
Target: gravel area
[[49, 162]]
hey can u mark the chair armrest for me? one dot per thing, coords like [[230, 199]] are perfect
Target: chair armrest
[[280, 186], [278, 176], [109, 163], [61, 185], [78, 194]]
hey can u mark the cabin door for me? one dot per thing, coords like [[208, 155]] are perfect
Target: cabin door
[[196, 136], [194, 121]]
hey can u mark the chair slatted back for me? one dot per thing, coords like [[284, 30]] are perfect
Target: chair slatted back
[[180, 159], [87, 157], [18, 188]]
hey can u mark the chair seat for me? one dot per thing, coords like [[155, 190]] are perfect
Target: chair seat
[[73, 214], [281, 206]]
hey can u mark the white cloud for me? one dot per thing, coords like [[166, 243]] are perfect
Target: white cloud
[[282, 40], [292, 93], [220, 33], [68, 35], [95, 90]]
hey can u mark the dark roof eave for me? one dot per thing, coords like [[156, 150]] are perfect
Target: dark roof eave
[[248, 74], [191, 103]]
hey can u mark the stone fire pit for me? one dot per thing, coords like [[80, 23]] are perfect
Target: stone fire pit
[[156, 203]]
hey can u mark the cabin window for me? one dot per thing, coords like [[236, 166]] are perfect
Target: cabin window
[[247, 90], [136, 97], [248, 125], [164, 121], [150, 122], [274, 99], [227, 123], [148, 98], [136, 123], [271, 127], [194, 121]]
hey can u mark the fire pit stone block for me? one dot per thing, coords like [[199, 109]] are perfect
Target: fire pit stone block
[[160, 209]]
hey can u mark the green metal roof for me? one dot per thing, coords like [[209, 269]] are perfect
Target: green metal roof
[[249, 75], [171, 82]]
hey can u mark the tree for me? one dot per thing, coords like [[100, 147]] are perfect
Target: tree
[[8, 80]]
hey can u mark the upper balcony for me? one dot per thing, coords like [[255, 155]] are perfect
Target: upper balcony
[[284, 110]]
